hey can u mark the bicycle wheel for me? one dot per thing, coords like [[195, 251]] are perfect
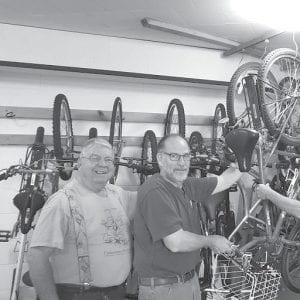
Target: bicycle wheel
[[235, 98], [219, 130], [93, 133], [115, 134], [149, 151], [175, 120], [281, 105], [63, 140], [290, 266], [196, 143]]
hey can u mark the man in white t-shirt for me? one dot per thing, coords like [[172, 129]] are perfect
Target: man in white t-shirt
[[81, 245]]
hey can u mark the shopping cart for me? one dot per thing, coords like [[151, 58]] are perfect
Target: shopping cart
[[237, 278]]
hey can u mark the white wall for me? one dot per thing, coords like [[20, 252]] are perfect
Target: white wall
[[32, 88], [34, 45]]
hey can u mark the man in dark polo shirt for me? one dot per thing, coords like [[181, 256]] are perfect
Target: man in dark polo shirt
[[167, 234]]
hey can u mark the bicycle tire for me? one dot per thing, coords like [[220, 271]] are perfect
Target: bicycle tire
[[220, 113], [235, 103], [274, 118], [115, 134], [289, 256], [31, 195], [177, 105], [149, 152], [63, 150], [93, 133]]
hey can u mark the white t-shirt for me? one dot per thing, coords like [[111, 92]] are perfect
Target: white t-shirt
[[107, 217]]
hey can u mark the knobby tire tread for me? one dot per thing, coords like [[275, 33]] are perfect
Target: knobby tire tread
[[149, 136], [117, 107], [181, 117], [219, 107], [61, 100], [232, 86]]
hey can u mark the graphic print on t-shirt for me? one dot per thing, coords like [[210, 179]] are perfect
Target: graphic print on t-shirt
[[116, 231]]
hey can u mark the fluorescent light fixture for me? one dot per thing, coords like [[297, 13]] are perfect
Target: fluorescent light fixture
[[278, 14], [187, 32]]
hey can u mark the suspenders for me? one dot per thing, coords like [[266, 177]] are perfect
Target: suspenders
[[81, 240]]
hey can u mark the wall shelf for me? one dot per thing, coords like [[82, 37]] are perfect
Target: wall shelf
[[27, 139]]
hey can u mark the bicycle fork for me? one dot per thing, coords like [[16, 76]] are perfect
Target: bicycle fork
[[18, 270]]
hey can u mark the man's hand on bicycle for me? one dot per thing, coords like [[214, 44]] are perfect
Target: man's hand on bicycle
[[263, 191], [221, 245]]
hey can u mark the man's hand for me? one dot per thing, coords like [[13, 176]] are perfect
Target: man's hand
[[220, 245], [263, 191]]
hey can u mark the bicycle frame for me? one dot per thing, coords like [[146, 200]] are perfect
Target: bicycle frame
[[271, 235]]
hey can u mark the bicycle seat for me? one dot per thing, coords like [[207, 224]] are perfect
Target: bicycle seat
[[242, 142], [28, 202]]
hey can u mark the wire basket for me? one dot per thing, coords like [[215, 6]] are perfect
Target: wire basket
[[235, 279]]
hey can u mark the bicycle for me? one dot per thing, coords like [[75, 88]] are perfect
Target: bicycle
[[273, 87], [149, 152], [31, 196], [175, 118], [270, 235], [232, 283], [146, 165], [115, 134], [219, 128], [63, 138]]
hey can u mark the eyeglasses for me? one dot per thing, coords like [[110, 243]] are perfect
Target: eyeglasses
[[96, 158], [176, 156]]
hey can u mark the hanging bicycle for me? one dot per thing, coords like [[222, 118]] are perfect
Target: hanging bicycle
[[31, 196], [146, 165], [219, 128], [115, 134], [271, 235], [149, 152], [63, 139], [175, 119]]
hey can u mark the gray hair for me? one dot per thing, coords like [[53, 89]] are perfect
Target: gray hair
[[90, 143]]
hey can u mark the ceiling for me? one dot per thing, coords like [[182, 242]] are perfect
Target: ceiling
[[209, 24]]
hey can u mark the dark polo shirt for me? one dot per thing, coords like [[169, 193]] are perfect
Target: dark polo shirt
[[163, 209]]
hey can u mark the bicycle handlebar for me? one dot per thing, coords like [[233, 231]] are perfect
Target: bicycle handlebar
[[145, 169], [19, 170]]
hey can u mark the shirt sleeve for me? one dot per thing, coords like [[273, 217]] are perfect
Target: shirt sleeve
[[129, 200], [201, 188], [52, 224], [160, 214]]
